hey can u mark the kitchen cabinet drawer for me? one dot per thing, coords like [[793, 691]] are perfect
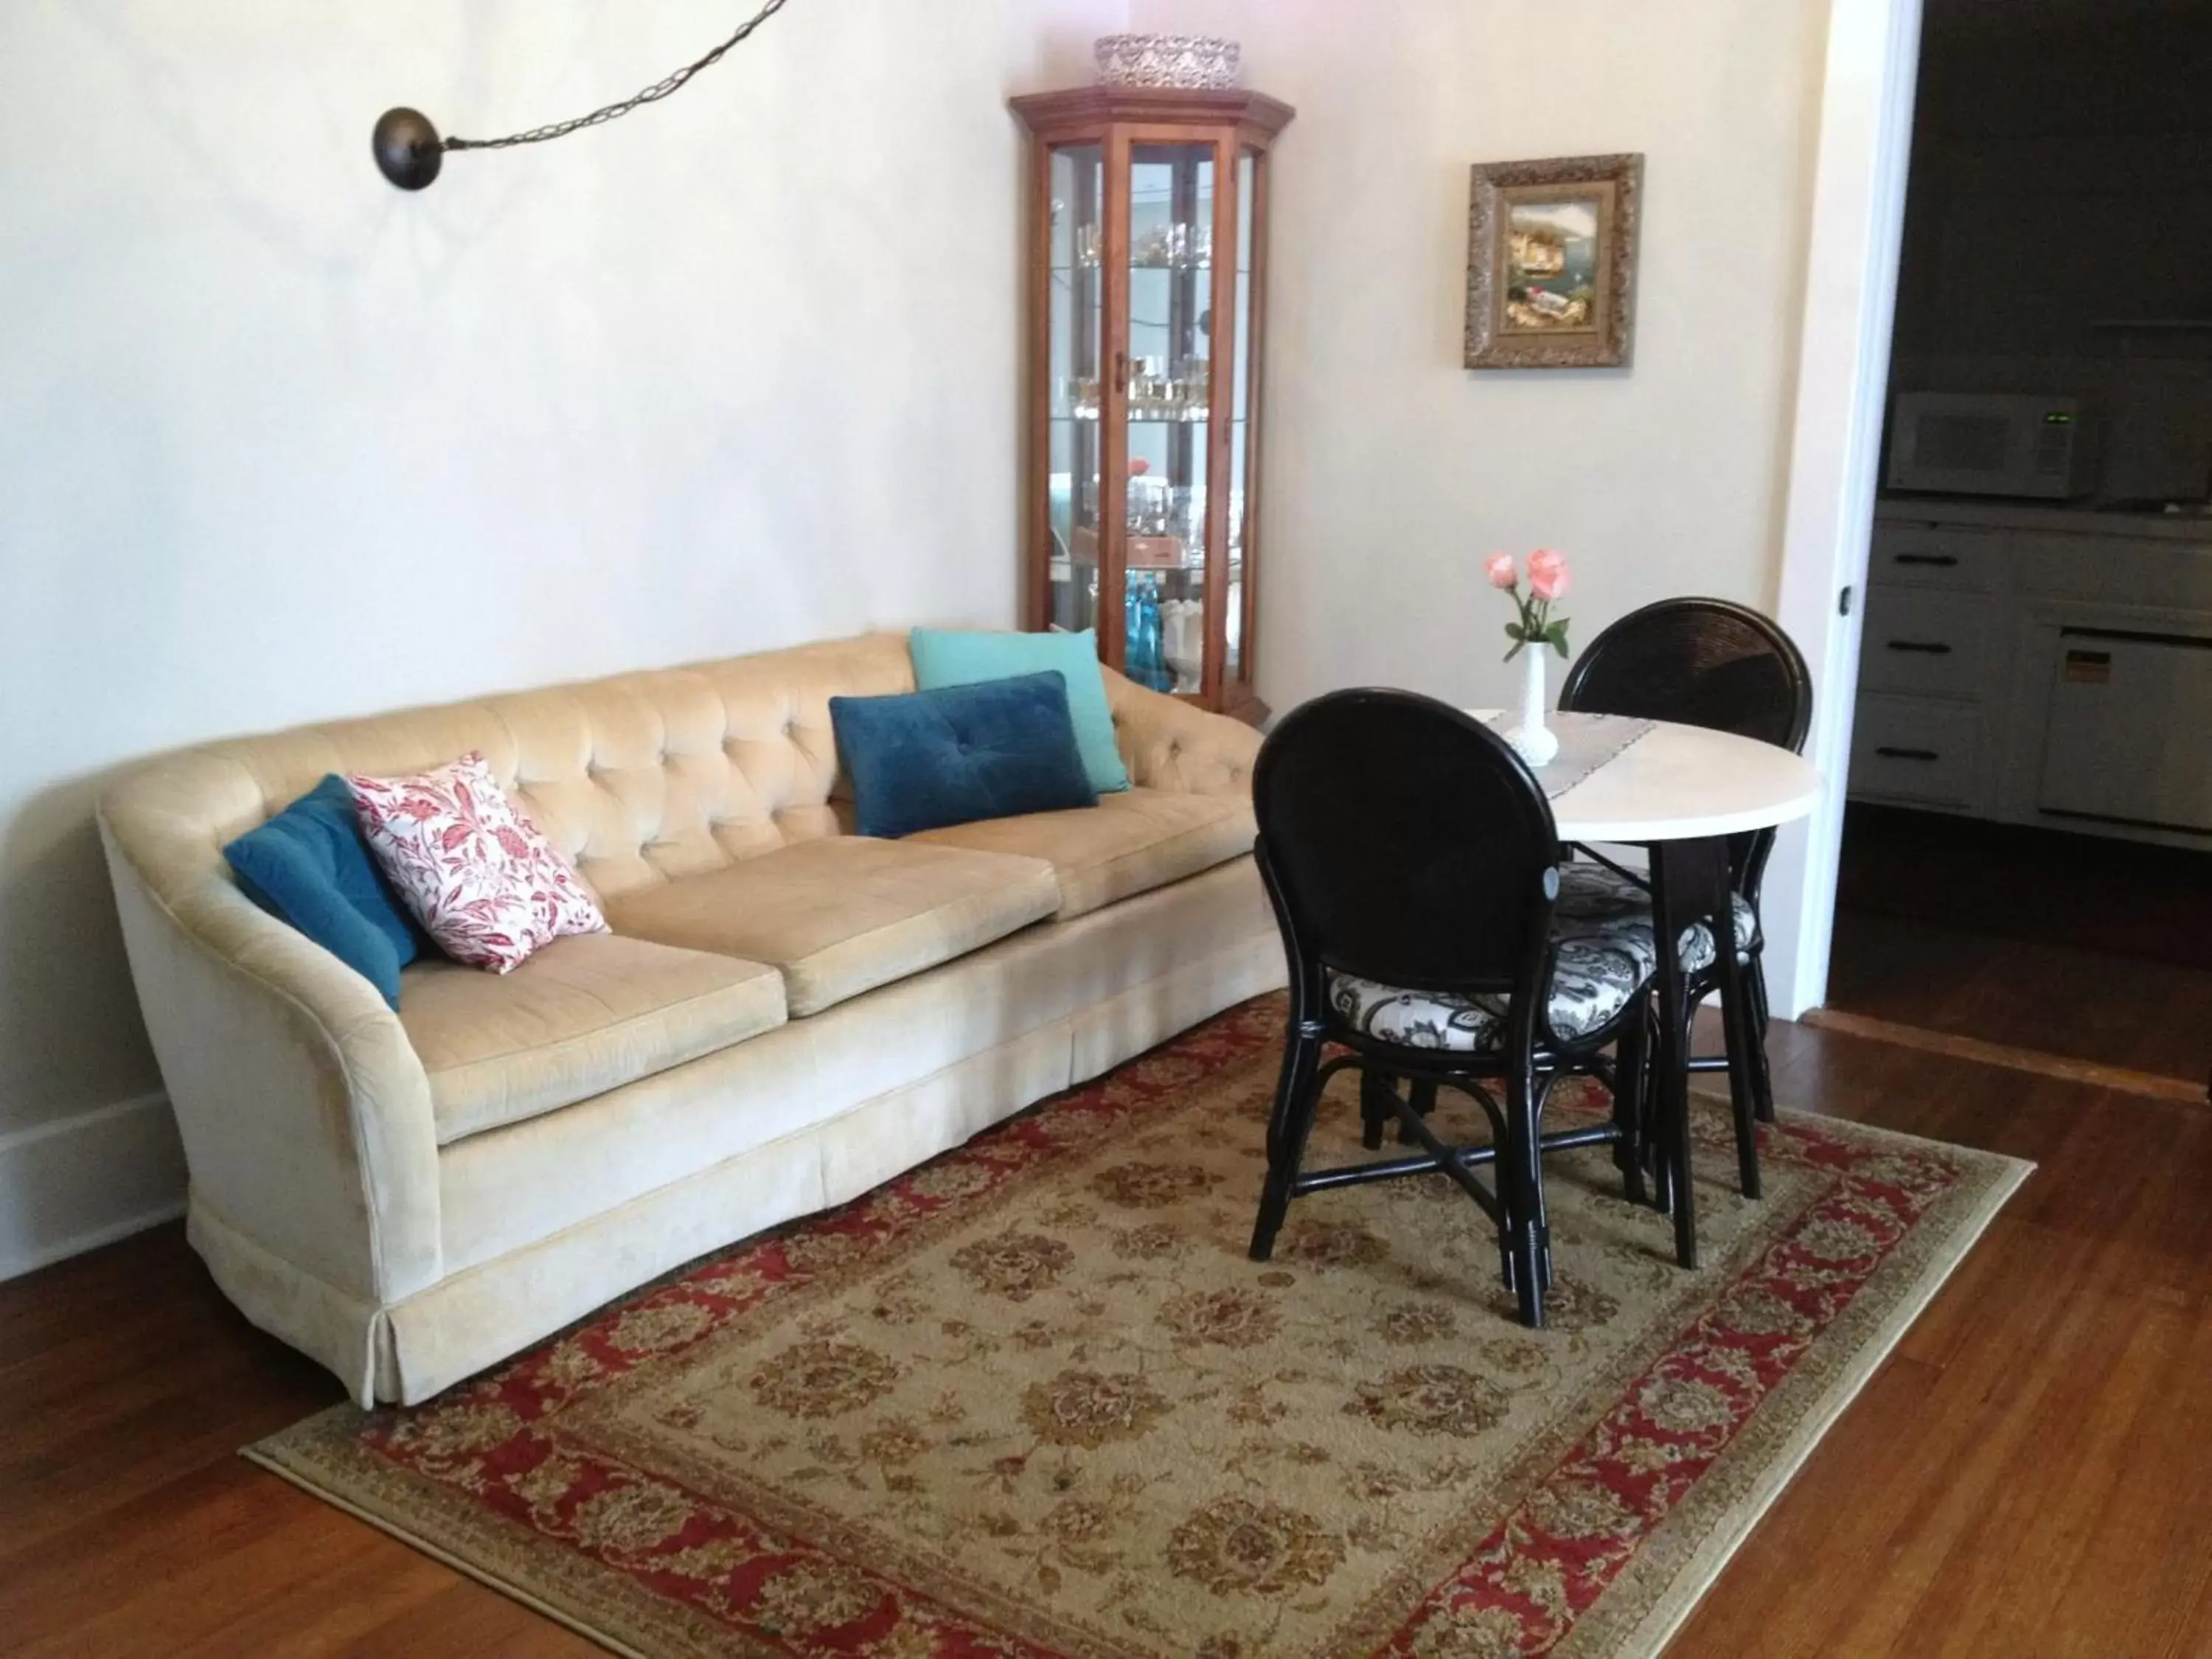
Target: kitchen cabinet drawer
[[1910, 748], [1925, 643], [2116, 570], [1908, 555]]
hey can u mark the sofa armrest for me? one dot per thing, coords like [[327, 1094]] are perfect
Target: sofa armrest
[[304, 1111], [1168, 743]]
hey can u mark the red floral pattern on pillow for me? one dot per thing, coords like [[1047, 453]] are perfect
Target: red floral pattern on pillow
[[484, 883]]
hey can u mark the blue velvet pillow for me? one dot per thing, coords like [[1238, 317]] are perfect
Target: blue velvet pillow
[[944, 657], [310, 866], [933, 758]]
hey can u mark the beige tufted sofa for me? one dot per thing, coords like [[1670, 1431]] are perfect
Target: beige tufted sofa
[[786, 1014]]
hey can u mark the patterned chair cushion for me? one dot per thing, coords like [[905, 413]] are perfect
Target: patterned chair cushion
[[1592, 895], [1596, 974]]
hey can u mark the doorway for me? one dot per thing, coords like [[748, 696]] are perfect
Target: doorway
[[2025, 857]]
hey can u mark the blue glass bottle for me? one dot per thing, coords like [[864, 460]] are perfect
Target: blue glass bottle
[[1155, 655], [1133, 627], [1144, 660]]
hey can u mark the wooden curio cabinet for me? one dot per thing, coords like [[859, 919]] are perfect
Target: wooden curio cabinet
[[1148, 255]]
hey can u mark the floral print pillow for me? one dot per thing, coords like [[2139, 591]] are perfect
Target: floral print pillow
[[484, 883]]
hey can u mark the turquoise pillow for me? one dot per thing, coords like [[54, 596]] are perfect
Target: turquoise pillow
[[930, 759], [308, 866], [944, 657]]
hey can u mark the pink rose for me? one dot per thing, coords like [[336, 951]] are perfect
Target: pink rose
[[1547, 574], [1499, 567]]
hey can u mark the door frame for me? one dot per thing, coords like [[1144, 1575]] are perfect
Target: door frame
[[1842, 376]]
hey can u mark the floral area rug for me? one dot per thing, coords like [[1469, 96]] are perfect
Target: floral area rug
[[1033, 1398]]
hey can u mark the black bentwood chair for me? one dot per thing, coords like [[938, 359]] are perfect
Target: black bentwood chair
[[1410, 857], [1709, 663]]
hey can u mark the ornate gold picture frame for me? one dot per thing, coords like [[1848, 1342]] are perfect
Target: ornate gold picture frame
[[1551, 263]]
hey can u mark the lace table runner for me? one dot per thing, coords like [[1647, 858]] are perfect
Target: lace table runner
[[1586, 743]]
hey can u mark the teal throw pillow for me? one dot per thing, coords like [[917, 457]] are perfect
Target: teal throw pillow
[[308, 866], [944, 657]]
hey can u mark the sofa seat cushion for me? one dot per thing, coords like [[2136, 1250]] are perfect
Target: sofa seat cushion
[[841, 914], [585, 1014], [1129, 843]]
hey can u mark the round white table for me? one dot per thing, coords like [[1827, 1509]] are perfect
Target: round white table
[[1682, 792], [1678, 782]]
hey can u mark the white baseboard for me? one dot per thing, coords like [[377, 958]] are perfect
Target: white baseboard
[[82, 1182]]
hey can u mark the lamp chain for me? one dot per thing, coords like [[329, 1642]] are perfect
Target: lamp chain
[[652, 95]]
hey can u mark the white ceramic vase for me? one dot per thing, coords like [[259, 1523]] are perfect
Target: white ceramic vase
[[1535, 742]]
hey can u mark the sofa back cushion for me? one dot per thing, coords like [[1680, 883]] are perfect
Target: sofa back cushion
[[637, 780]]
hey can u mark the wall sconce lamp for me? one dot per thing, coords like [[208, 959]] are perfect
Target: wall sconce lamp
[[410, 153]]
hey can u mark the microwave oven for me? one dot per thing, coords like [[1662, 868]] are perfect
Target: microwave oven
[[1990, 443]]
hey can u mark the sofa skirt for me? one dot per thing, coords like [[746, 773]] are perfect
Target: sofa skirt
[[547, 1220]]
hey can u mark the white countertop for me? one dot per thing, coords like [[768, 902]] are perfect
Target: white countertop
[[2064, 518]]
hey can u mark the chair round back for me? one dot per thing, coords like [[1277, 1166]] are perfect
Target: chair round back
[[1405, 841], [1698, 662], [1702, 662]]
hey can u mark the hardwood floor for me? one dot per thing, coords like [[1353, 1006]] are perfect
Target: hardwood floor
[[2055, 887], [2079, 945], [2031, 1474], [2129, 1011], [129, 1526]]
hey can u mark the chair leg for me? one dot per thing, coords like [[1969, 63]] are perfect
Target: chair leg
[[1737, 1025], [1528, 1248], [1631, 1062], [1676, 1149], [1535, 1169], [1297, 1100], [1689, 882], [1657, 1148], [1762, 1077], [1376, 1089], [1421, 1095]]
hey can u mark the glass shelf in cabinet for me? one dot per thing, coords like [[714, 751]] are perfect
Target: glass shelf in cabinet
[[1138, 264], [1198, 419]]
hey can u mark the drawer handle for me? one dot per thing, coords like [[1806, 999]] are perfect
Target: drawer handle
[[1889, 753], [1945, 561], [1924, 647]]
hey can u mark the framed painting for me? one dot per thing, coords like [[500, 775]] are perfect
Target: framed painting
[[1551, 263]]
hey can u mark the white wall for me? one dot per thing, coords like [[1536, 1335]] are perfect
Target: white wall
[[279, 442], [1391, 469]]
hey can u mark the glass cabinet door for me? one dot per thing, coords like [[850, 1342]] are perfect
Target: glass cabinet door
[[1076, 348], [1243, 422], [1168, 414]]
